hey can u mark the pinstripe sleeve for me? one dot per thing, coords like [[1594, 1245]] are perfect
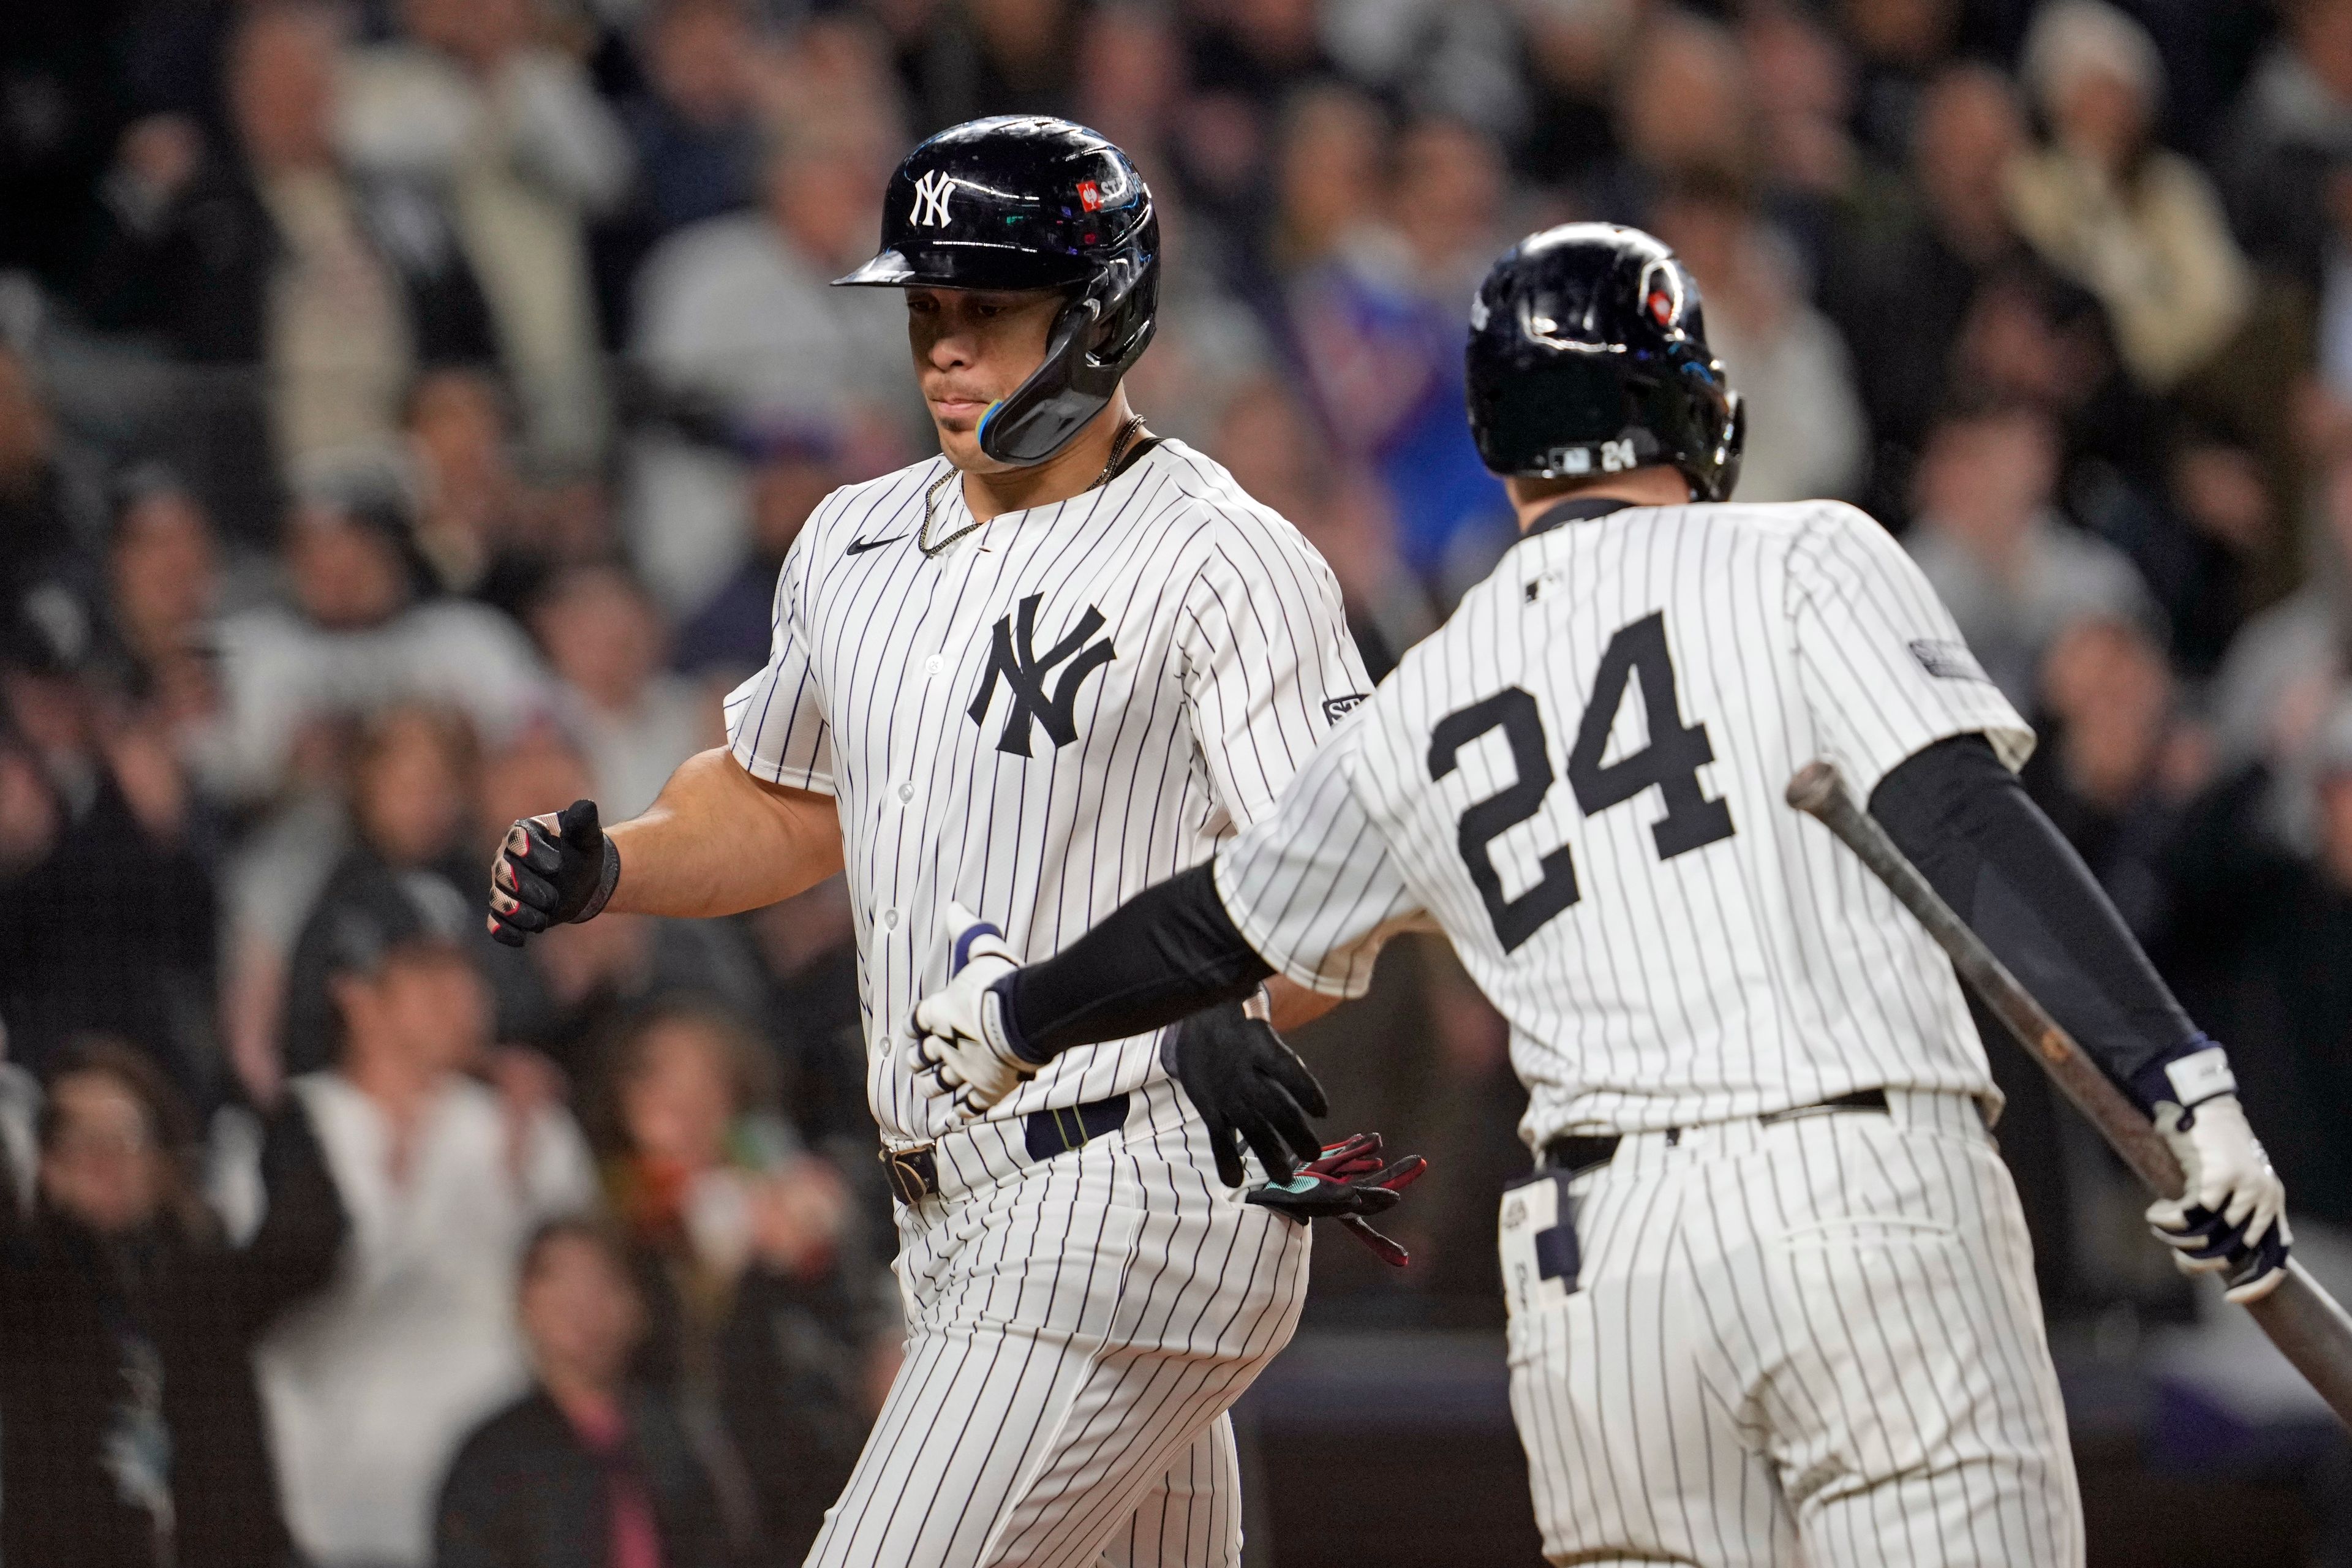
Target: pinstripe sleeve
[[1884, 670], [1269, 665], [1315, 889], [776, 723]]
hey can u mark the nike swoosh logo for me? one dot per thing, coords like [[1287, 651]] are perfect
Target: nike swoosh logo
[[858, 546]]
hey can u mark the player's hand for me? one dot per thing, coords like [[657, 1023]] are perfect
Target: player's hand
[[963, 1035], [556, 869], [1350, 1179], [1249, 1088], [2231, 1218]]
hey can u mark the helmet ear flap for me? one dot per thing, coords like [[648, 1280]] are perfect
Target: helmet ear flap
[[1096, 339]]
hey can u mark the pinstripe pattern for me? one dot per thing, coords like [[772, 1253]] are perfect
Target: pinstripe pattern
[[1076, 1328], [1080, 1328], [1229, 639], [1816, 1342], [1763, 970]]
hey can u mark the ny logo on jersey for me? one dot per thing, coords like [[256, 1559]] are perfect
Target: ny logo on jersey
[[1014, 656], [932, 194]]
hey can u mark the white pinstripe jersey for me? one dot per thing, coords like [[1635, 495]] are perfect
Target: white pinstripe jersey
[[1068, 705], [1580, 778]]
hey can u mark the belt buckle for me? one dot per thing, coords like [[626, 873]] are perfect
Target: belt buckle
[[911, 1180]]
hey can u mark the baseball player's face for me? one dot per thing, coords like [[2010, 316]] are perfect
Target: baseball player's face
[[972, 347]]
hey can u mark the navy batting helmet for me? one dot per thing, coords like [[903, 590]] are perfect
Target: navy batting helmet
[[1031, 202], [1588, 355]]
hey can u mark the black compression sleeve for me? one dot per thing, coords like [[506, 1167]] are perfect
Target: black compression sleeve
[[1163, 955], [1968, 826]]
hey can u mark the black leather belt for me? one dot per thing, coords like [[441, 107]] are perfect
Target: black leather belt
[[915, 1172], [1581, 1151]]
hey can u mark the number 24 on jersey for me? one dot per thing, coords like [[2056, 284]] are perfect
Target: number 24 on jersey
[[1671, 760]]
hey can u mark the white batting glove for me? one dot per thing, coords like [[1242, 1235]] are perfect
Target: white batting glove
[[2231, 1215], [959, 1035]]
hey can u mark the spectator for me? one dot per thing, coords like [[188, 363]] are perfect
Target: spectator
[[587, 1470], [1571, 56], [357, 639], [729, 637], [1989, 539], [2114, 759], [1331, 176], [483, 533], [2257, 948], [808, 945], [506, 130], [411, 793], [766, 1308], [1448, 206], [1130, 78], [1900, 44], [106, 892], [36, 521], [2284, 669], [133, 1434], [737, 325], [370, 1387], [1379, 327], [1805, 430], [2139, 225], [163, 587], [2292, 132], [279, 255], [1258, 52], [602, 636], [1272, 447], [1683, 110], [1899, 281], [696, 135]]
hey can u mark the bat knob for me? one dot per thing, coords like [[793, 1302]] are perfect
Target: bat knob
[[1813, 786]]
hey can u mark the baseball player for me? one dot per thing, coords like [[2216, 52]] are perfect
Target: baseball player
[[1771, 1298], [1026, 677]]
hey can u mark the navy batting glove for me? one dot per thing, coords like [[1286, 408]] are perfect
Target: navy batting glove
[[1352, 1179], [556, 869], [1249, 1088]]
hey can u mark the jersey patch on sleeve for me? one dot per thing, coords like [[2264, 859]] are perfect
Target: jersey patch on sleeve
[[1948, 661], [1337, 707]]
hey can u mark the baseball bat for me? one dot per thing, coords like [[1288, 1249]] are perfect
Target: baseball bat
[[2310, 1329]]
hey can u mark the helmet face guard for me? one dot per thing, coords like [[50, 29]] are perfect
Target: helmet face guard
[[1024, 203], [1588, 356]]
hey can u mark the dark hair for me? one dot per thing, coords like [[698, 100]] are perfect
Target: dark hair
[[169, 1122], [578, 1228]]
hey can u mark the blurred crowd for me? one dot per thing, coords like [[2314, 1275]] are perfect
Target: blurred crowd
[[404, 406]]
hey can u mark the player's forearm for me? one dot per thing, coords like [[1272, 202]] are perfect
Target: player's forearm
[[1160, 957], [719, 842], [1971, 829]]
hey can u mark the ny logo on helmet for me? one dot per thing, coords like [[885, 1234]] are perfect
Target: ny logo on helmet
[[1016, 658], [932, 194]]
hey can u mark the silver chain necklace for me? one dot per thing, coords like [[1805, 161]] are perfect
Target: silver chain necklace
[[923, 540]]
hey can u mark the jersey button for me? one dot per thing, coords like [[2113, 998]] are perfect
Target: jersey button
[[905, 791], [934, 664], [889, 920]]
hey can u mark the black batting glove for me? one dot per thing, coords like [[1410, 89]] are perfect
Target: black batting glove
[[556, 869], [1249, 1088], [1350, 1179]]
